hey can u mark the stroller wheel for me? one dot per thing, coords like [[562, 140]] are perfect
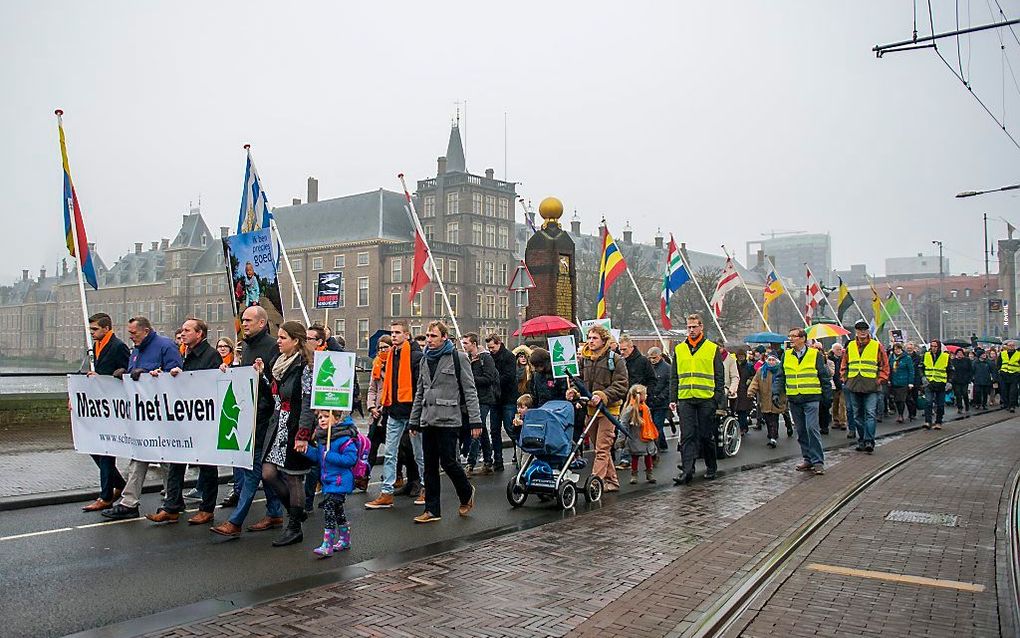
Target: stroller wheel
[[567, 495], [515, 493], [593, 489]]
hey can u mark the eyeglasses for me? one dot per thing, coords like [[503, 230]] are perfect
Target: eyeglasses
[[223, 345]]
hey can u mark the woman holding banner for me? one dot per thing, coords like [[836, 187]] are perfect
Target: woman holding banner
[[291, 426]]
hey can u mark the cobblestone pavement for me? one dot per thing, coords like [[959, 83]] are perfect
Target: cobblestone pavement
[[644, 566]]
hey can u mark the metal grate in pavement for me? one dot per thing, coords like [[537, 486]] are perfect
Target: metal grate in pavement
[[925, 518]]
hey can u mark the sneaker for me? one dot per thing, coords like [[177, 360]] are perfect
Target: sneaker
[[936, 426], [193, 495], [633, 479], [818, 470], [623, 465], [385, 501], [772, 443], [421, 498], [426, 517]]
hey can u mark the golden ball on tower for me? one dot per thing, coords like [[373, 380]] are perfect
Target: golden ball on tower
[[550, 208]]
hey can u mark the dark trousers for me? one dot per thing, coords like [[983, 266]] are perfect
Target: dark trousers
[[698, 428], [439, 447], [377, 433], [109, 476], [405, 457], [936, 403], [1008, 389], [659, 419], [981, 393], [208, 484], [912, 402], [961, 396], [501, 418], [311, 482], [824, 416], [771, 420]]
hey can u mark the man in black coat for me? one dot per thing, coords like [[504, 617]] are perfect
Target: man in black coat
[[483, 368], [658, 393], [501, 416], [110, 355], [198, 355], [638, 368], [258, 343]]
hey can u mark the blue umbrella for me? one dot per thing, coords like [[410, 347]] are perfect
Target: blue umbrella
[[765, 337]]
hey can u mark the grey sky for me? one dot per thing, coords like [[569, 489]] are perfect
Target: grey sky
[[717, 121]]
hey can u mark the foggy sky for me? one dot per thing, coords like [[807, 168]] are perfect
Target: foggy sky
[[717, 122]]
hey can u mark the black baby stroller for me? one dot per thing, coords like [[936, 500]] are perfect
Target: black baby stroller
[[553, 460]]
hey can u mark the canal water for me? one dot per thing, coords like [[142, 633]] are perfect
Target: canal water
[[55, 379]]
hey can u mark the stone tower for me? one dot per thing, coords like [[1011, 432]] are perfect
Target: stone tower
[[550, 259]]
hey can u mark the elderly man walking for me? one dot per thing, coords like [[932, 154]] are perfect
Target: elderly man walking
[[805, 377], [864, 369]]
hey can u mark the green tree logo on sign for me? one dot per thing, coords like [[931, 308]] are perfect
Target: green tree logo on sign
[[326, 372], [229, 413]]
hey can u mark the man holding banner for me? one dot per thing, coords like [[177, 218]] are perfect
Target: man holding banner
[[198, 355]]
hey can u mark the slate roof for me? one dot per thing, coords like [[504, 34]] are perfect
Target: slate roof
[[375, 214], [455, 162], [193, 229], [211, 260], [136, 268]]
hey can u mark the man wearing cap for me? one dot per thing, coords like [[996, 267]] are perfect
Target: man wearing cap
[[804, 376], [864, 369], [1009, 375]]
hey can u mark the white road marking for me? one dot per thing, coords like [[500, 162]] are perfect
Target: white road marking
[[45, 531]]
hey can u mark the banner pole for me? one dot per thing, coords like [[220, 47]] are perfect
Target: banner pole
[[633, 282], [905, 313], [786, 289], [290, 270], [764, 321], [701, 292]]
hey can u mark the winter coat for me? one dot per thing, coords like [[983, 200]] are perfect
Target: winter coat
[[486, 378], [744, 402], [114, 356], [293, 397], [634, 445], [398, 410], [837, 361], [201, 357], [731, 376], [658, 392], [506, 366], [761, 388], [335, 463], [963, 371], [156, 352], [639, 370], [608, 380], [262, 346], [543, 388], [901, 370], [982, 373], [437, 402], [821, 366]]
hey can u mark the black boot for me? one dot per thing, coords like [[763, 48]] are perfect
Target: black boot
[[292, 533]]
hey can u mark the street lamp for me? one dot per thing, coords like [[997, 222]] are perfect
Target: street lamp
[[994, 190], [941, 294]]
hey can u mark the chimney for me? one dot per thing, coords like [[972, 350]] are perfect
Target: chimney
[[154, 245], [92, 247], [441, 165], [627, 234], [313, 190], [138, 248], [296, 201], [658, 238], [489, 173], [164, 243], [224, 231], [42, 273], [575, 224], [24, 275]]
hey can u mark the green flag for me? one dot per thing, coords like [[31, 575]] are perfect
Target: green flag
[[892, 308]]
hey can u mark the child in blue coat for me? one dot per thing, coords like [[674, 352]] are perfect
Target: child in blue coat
[[336, 452]]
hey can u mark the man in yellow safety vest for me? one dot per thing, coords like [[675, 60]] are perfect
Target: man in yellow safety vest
[[804, 375], [1009, 376], [864, 369], [936, 367]]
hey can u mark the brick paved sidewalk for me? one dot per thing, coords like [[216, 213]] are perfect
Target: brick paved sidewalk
[[645, 565]]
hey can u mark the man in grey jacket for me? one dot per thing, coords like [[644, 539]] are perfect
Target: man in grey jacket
[[444, 401]]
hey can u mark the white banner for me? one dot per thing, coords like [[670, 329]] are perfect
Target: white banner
[[205, 417]]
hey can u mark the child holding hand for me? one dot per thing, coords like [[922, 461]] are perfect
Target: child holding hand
[[336, 452]]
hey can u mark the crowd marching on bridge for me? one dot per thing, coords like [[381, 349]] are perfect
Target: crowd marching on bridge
[[438, 409]]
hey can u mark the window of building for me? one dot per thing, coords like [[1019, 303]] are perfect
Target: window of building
[[198, 286], [478, 307], [363, 334], [490, 205], [176, 260], [503, 270], [395, 303], [197, 315], [316, 263], [438, 270], [416, 305], [429, 207], [362, 292], [339, 261], [476, 233], [396, 269], [205, 239], [966, 292], [476, 203], [452, 268], [340, 328], [452, 203], [295, 304], [362, 259], [295, 265], [428, 232], [438, 307], [453, 232], [490, 306], [504, 307], [503, 208], [453, 302], [209, 316], [490, 235], [504, 237], [490, 273], [175, 286], [222, 312], [478, 271]]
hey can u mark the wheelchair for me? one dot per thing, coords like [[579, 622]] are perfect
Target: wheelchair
[[727, 435]]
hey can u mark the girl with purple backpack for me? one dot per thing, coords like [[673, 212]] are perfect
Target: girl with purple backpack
[[337, 451]]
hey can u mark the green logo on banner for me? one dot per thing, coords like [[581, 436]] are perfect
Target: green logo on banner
[[557, 353], [227, 439], [326, 372]]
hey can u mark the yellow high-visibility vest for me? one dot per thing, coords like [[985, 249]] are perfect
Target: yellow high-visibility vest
[[696, 372], [1010, 365], [802, 376], [863, 364], [935, 369]]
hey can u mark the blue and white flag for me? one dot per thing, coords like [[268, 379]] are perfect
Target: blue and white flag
[[255, 213], [676, 275]]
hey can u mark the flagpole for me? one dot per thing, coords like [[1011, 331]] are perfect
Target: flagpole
[[701, 292], [290, 270], [641, 297], [413, 214], [747, 290], [881, 304], [89, 353], [786, 289], [905, 313]]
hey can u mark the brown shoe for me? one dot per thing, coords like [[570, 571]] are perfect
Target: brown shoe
[[385, 501], [427, 517], [202, 518], [464, 509], [163, 516], [421, 497], [804, 467], [226, 529], [98, 506], [269, 522], [399, 483]]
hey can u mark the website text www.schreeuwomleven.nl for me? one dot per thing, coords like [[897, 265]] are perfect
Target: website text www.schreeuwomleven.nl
[[156, 442]]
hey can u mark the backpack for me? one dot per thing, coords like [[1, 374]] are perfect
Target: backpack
[[361, 466]]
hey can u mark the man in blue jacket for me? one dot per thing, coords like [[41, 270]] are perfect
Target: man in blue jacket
[[152, 353]]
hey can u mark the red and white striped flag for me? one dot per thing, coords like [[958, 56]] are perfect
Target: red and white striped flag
[[727, 282], [813, 296]]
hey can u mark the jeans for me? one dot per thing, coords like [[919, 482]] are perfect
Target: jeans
[[864, 406], [936, 402], [237, 481], [249, 486], [482, 441], [394, 430], [109, 476], [659, 419], [501, 418], [805, 417], [440, 450], [848, 406], [208, 484], [698, 428]]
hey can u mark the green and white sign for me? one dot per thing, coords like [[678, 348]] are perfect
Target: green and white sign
[[586, 325], [563, 351], [333, 380]]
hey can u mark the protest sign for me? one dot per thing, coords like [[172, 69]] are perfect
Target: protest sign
[[607, 323], [563, 351], [205, 417], [252, 268], [330, 291], [333, 380]]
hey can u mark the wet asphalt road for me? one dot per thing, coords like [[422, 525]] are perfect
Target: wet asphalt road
[[82, 573]]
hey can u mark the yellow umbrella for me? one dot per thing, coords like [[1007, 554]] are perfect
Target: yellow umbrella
[[823, 330]]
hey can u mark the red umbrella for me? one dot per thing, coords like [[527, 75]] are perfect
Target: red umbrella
[[952, 349], [543, 325]]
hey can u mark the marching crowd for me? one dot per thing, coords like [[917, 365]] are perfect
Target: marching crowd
[[438, 409]]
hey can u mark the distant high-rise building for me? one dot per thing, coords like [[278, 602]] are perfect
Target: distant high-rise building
[[790, 252], [919, 266]]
